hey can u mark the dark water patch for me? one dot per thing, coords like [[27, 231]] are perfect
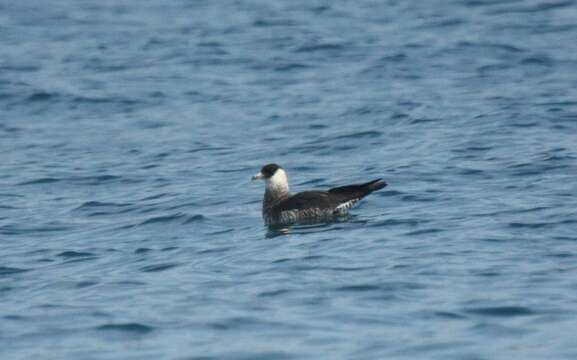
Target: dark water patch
[[75, 254], [174, 218], [248, 323], [194, 219], [476, 3], [537, 60], [348, 268], [424, 121], [388, 193], [365, 110], [470, 149], [525, 225], [537, 8], [33, 230], [101, 180], [215, 250], [169, 248], [98, 204], [130, 328], [291, 67], [191, 204], [46, 180], [488, 70], [220, 232], [371, 134], [417, 198], [270, 22], [326, 47], [9, 129], [41, 96], [179, 217], [142, 250], [501, 311], [231, 170], [449, 315], [158, 267], [398, 222], [312, 182], [386, 287], [563, 255], [85, 284], [7, 271], [274, 293], [424, 232], [81, 180], [97, 208], [157, 196], [358, 288], [4, 195]]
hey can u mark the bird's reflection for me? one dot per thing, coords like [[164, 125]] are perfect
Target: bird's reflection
[[308, 227]]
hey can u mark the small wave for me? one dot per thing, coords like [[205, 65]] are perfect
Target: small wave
[[142, 250], [133, 328], [537, 8], [182, 218], [194, 218], [320, 48], [371, 134], [448, 315], [81, 180], [530, 225], [40, 96], [501, 311], [392, 286], [273, 22], [98, 204], [158, 267], [75, 254], [537, 60], [274, 293], [5, 270], [424, 121], [291, 67], [47, 180], [424, 232], [97, 208], [357, 288], [163, 219], [16, 230], [85, 284]]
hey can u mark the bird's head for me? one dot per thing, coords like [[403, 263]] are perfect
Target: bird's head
[[274, 176]]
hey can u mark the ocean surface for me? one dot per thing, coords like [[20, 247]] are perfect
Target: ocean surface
[[130, 229]]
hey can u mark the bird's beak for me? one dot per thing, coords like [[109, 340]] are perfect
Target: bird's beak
[[257, 176]]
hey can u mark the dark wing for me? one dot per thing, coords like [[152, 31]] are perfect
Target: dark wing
[[307, 200], [326, 200], [344, 194]]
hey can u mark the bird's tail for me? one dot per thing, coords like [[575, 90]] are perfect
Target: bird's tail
[[359, 191], [375, 185]]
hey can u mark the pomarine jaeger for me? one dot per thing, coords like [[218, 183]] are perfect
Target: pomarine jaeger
[[280, 207]]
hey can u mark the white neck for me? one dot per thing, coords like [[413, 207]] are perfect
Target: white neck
[[277, 189], [278, 183]]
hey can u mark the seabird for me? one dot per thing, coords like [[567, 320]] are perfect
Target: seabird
[[280, 207]]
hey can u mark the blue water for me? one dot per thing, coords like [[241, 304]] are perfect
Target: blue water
[[129, 131]]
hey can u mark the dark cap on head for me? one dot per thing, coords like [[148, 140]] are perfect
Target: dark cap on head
[[268, 170]]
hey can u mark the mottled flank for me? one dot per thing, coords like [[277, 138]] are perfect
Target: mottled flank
[[129, 229]]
